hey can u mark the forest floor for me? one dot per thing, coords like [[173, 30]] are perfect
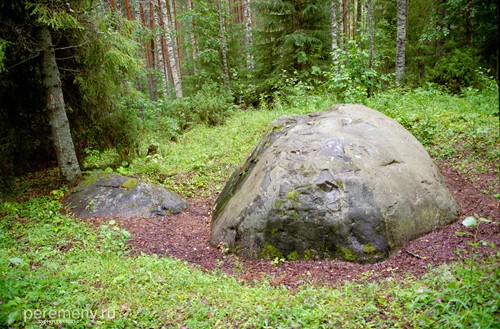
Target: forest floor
[[185, 236]]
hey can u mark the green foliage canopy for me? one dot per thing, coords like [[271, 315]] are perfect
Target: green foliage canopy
[[97, 58], [293, 37]]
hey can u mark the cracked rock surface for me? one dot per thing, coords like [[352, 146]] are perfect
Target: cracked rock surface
[[347, 183], [111, 195]]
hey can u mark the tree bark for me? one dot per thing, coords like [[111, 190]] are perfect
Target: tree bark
[[175, 28], [247, 17], [128, 10], [358, 24], [153, 50], [193, 41], [61, 134], [334, 33], [400, 41], [371, 30], [112, 5], [147, 50], [340, 24], [223, 45], [345, 23], [162, 53], [171, 54]]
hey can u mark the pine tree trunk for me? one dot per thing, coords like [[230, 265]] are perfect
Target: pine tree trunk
[[334, 32], [153, 51], [147, 51], [400, 41], [223, 45], [171, 54], [128, 11], [61, 134], [112, 5], [247, 16]]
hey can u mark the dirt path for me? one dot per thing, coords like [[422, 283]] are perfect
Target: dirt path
[[185, 236]]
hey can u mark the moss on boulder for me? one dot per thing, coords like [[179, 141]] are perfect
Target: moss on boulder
[[105, 194], [346, 183]]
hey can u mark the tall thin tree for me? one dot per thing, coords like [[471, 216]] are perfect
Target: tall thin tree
[[345, 22], [61, 134], [162, 51], [171, 53], [400, 40], [223, 45], [192, 38], [334, 33], [153, 48], [148, 51], [371, 31], [247, 17], [128, 10]]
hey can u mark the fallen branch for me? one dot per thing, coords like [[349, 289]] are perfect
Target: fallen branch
[[414, 255]]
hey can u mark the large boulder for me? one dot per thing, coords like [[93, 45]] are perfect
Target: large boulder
[[347, 183], [105, 194]]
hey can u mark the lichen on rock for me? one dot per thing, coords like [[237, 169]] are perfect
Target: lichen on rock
[[346, 183], [105, 194]]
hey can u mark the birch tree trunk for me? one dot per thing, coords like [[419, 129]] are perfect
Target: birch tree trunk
[[164, 45], [371, 30], [175, 28], [247, 17], [400, 40], [334, 32], [223, 45], [171, 54], [61, 134], [162, 51]]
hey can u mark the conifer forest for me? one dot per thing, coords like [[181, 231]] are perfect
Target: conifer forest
[[177, 94]]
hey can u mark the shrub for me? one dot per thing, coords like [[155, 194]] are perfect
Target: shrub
[[458, 70], [211, 105], [355, 80]]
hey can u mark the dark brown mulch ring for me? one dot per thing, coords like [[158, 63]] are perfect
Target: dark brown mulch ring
[[185, 236]]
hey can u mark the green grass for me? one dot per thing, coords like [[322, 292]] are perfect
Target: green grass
[[51, 264], [64, 271], [202, 159], [463, 130]]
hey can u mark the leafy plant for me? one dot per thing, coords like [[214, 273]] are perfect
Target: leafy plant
[[474, 222], [460, 129], [457, 71]]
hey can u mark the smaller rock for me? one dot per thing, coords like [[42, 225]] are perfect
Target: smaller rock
[[111, 195]]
